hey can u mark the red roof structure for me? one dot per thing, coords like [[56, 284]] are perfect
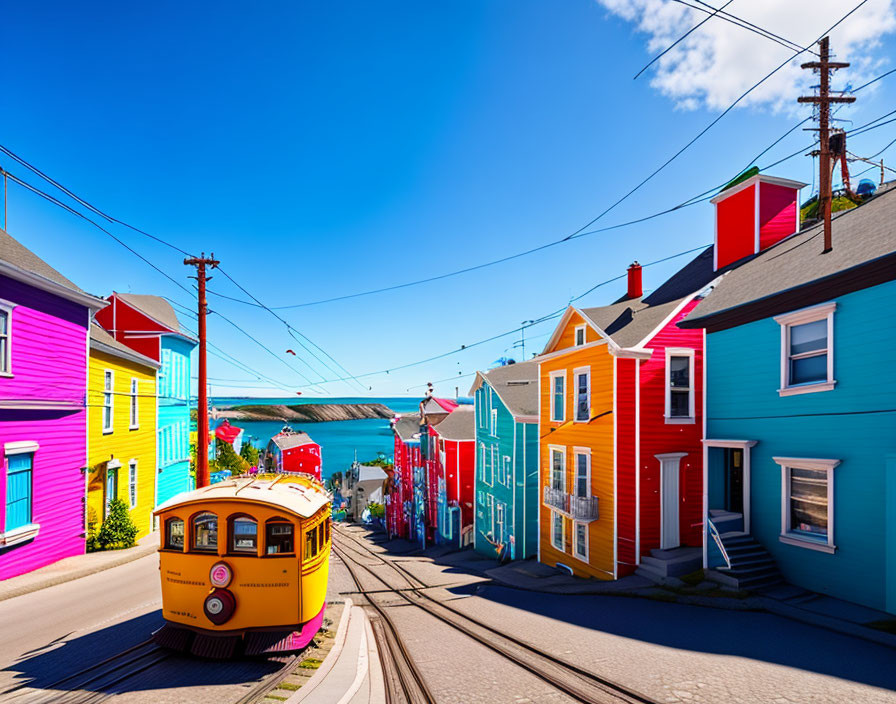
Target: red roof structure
[[227, 432]]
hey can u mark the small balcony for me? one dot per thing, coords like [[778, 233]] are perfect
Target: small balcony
[[578, 508]]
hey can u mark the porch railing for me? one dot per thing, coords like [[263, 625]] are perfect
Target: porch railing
[[717, 538], [578, 508]]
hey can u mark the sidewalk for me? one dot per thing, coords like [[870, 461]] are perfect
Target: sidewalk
[[784, 600], [76, 567], [351, 673]]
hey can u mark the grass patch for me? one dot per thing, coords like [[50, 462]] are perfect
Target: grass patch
[[276, 697], [289, 686], [310, 663], [887, 625]]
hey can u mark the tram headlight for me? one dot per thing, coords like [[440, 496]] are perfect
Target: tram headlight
[[220, 575], [219, 606]]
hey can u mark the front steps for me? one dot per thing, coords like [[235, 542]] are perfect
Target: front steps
[[752, 567], [666, 566]]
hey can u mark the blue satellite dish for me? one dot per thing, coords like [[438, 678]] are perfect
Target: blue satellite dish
[[866, 188]]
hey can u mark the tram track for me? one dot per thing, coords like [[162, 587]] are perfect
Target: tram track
[[578, 683]]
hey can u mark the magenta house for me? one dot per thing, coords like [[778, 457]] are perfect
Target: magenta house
[[44, 324]]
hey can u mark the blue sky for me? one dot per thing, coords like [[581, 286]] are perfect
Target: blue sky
[[323, 149]]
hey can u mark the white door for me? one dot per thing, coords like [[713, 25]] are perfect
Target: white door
[[669, 499]]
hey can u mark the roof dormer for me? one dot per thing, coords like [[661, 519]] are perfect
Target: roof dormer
[[753, 214]]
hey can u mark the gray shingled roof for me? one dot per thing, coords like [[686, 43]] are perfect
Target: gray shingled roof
[[155, 307], [17, 254], [407, 426], [629, 322], [859, 235], [516, 386], [102, 341], [460, 424], [290, 440]]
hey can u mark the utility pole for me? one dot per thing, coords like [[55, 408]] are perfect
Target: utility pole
[[202, 478], [523, 326], [823, 100]]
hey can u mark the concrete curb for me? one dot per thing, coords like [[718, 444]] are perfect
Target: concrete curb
[[330, 660], [129, 555], [829, 623]]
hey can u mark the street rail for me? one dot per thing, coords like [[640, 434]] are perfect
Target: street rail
[[290, 662], [578, 683]]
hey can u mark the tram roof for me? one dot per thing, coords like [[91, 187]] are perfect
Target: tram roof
[[302, 496]]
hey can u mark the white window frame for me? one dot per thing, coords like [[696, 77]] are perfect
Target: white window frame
[[801, 317], [493, 425], [561, 450], [586, 453], [552, 376], [788, 536], [132, 483], [578, 329], [576, 373], [575, 541], [134, 404], [690, 418], [562, 545], [110, 392], [507, 471], [482, 462], [6, 307]]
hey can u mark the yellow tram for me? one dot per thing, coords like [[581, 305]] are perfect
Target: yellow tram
[[244, 565]]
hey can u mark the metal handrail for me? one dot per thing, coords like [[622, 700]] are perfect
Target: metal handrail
[[716, 536], [579, 508]]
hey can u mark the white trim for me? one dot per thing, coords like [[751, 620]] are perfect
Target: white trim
[[554, 516], [18, 535], [788, 535], [584, 557], [562, 450], [758, 178], [670, 461], [553, 375], [134, 404], [133, 465], [111, 393], [570, 350], [692, 387], [801, 317], [585, 452], [7, 307], [493, 422], [637, 463], [583, 327], [744, 445], [668, 319], [575, 395], [44, 284], [20, 447]]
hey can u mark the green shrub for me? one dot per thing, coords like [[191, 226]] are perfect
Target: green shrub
[[249, 453], [377, 510], [118, 530]]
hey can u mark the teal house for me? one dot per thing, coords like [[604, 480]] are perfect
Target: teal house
[[800, 439], [506, 485]]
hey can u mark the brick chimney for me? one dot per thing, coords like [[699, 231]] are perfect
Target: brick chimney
[[752, 214], [634, 281]]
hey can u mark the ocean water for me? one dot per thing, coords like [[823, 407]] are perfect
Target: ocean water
[[339, 440]]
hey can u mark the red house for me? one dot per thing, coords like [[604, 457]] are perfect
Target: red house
[[294, 451], [451, 473], [401, 508]]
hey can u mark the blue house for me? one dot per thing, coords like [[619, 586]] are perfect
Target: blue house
[[149, 325], [506, 487], [800, 439]]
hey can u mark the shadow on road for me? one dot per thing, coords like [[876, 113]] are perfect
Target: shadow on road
[[745, 634], [48, 667]]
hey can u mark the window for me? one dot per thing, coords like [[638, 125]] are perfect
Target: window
[[135, 416], [310, 543], [244, 535], [205, 532], [494, 422], [5, 356], [807, 354], [19, 475], [558, 468], [558, 396], [320, 536], [583, 394], [111, 485], [807, 495], [679, 385], [557, 530], [279, 538], [580, 335], [107, 401], [174, 534], [132, 482], [506, 470], [580, 546], [482, 461], [583, 473]]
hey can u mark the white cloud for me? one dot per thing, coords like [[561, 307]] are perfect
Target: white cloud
[[719, 61]]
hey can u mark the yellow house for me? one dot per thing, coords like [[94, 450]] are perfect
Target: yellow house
[[121, 431]]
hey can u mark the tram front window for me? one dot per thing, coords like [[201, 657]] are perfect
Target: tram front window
[[279, 538], [205, 532], [245, 535]]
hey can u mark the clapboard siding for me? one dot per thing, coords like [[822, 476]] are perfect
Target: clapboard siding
[[626, 518], [853, 423]]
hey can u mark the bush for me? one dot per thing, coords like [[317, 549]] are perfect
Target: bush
[[118, 530], [92, 521], [376, 510], [249, 453]]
